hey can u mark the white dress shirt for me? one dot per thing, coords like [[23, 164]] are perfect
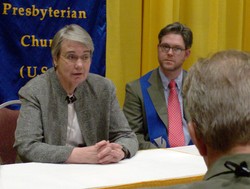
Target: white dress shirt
[[74, 135]]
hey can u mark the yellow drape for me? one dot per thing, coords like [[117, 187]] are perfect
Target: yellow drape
[[133, 27]]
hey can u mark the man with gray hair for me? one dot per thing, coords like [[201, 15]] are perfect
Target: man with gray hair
[[217, 90]]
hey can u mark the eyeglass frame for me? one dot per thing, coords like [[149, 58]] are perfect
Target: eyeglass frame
[[73, 58], [166, 48]]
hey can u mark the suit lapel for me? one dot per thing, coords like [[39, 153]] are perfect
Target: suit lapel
[[83, 108], [58, 119], [156, 93]]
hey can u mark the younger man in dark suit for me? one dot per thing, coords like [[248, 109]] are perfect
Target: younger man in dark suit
[[146, 103]]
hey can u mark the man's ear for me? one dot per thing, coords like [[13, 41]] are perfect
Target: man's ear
[[187, 53], [197, 140]]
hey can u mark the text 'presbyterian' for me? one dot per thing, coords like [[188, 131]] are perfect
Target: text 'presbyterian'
[[33, 11]]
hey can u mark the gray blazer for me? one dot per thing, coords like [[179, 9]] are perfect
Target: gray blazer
[[134, 108], [42, 123]]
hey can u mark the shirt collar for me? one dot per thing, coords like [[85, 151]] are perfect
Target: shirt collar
[[166, 81]]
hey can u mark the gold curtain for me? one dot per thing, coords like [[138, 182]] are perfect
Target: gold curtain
[[133, 27]]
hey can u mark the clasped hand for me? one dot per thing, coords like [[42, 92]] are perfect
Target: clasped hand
[[102, 152]]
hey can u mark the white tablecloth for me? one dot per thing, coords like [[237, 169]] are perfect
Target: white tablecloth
[[146, 165]]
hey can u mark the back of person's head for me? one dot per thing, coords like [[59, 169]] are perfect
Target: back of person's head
[[72, 32], [178, 28], [217, 90]]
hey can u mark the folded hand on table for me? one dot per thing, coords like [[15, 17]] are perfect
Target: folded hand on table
[[102, 152]]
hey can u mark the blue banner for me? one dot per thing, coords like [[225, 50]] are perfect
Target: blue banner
[[27, 30]]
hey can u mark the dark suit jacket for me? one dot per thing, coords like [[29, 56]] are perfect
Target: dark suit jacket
[[42, 123], [134, 108]]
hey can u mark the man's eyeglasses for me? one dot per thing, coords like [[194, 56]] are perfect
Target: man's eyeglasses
[[166, 48], [72, 58]]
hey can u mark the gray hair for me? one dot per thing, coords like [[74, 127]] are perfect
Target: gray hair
[[217, 90], [72, 32]]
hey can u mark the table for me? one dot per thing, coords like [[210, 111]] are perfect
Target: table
[[154, 167]]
